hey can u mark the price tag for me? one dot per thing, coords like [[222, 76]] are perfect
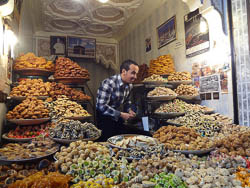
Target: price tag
[[145, 123]]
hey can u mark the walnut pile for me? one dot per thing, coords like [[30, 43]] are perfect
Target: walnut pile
[[161, 91], [30, 108], [186, 90], [179, 76], [69, 69]]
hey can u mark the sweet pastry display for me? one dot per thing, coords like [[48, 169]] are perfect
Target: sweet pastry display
[[25, 151], [143, 73], [155, 78], [30, 108], [31, 87], [162, 65], [170, 108], [186, 90], [243, 175], [58, 89], [161, 91], [66, 68], [182, 138], [43, 180], [30, 60], [179, 76], [65, 108], [29, 131], [72, 130]]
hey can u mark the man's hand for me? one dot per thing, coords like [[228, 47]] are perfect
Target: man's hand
[[131, 112], [126, 116]]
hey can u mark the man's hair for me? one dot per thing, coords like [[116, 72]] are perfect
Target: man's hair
[[125, 64]]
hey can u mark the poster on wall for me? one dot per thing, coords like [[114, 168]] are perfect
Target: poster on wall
[[210, 83], [148, 44], [196, 34]]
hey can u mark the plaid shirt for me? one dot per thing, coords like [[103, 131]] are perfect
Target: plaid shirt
[[111, 95]]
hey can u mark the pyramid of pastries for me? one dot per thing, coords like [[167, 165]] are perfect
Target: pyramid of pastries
[[162, 65], [30, 60], [66, 68]]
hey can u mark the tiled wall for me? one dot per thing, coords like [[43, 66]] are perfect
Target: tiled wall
[[240, 31]]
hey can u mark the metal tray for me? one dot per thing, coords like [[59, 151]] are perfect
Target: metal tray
[[160, 98], [30, 159], [28, 121], [169, 115], [4, 136], [195, 152], [66, 141], [175, 83], [71, 80], [186, 97], [20, 98], [34, 72], [155, 82], [175, 124]]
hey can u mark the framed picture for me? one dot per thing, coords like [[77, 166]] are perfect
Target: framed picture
[[148, 44], [166, 32], [57, 45], [81, 47]]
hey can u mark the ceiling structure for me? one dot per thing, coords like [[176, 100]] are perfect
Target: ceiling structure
[[86, 17]]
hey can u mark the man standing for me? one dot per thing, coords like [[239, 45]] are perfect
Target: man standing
[[113, 105]]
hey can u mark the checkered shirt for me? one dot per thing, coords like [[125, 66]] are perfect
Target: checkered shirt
[[111, 95]]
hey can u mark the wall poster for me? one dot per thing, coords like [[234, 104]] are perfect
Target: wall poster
[[196, 34]]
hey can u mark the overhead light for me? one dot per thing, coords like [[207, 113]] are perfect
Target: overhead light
[[103, 1]]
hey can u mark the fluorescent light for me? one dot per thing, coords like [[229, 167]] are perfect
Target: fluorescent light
[[103, 1]]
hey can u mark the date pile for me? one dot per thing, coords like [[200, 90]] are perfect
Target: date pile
[[161, 91], [162, 65], [182, 138], [72, 130], [179, 76], [186, 90], [143, 73], [65, 108], [66, 68], [29, 60], [30, 108], [58, 89], [31, 87]]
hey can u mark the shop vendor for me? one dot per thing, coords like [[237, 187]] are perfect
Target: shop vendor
[[113, 105]]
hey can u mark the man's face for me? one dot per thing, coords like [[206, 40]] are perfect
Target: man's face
[[130, 75]]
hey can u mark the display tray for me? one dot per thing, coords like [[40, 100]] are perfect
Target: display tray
[[4, 136], [175, 124], [69, 80], [209, 111], [114, 139], [78, 117], [195, 152], [20, 98], [28, 121], [180, 82], [155, 82], [66, 141], [138, 84], [30, 159], [169, 115], [162, 98], [186, 97], [34, 72]]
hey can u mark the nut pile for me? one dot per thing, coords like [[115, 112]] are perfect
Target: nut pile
[[179, 76], [155, 77], [58, 89], [162, 65], [30, 108], [161, 91], [143, 73], [69, 69], [235, 144], [182, 138], [29, 60], [186, 90], [31, 87], [229, 129], [72, 130], [63, 107], [205, 125], [223, 119], [171, 107]]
